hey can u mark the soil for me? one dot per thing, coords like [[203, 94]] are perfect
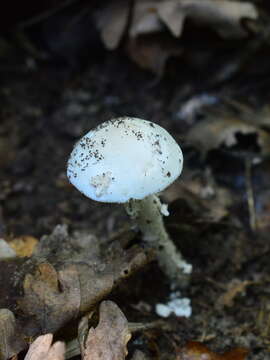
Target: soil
[[45, 107]]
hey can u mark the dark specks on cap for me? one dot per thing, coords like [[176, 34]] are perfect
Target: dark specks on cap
[[103, 142], [138, 134]]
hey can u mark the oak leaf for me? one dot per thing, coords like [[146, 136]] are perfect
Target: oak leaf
[[108, 341], [43, 349]]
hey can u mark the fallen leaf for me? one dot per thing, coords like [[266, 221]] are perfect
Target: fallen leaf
[[150, 16], [24, 245], [76, 346], [223, 16], [112, 21], [67, 275], [109, 339], [194, 350], [43, 349], [52, 297], [11, 340], [259, 117], [211, 209], [214, 132], [234, 288]]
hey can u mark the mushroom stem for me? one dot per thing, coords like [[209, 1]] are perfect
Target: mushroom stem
[[148, 215]]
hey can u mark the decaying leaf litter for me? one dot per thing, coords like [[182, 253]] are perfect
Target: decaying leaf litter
[[210, 90]]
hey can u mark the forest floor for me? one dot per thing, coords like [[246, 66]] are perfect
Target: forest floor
[[219, 207]]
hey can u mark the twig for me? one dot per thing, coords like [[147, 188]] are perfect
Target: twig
[[135, 327], [44, 15], [250, 195]]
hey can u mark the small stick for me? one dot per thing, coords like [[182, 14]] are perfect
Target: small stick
[[250, 196], [135, 327], [44, 15]]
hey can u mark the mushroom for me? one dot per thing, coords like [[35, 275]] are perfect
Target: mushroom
[[130, 160]]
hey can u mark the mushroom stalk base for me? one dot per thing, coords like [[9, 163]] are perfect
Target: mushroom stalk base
[[148, 214]]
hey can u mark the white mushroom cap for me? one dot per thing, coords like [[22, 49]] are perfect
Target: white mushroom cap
[[124, 158]]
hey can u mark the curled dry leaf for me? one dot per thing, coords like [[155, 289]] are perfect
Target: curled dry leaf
[[210, 209], [108, 341], [214, 132], [194, 350], [42, 349], [223, 16], [149, 16]]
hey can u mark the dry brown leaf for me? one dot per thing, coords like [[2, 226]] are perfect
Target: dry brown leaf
[[223, 16], [149, 16], [112, 21], [52, 298], [108, 341], [42, 349], [194, 350], [24, 245], [11, 340], [234, 288], [210, 209], [65, 276], [212, 133]]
